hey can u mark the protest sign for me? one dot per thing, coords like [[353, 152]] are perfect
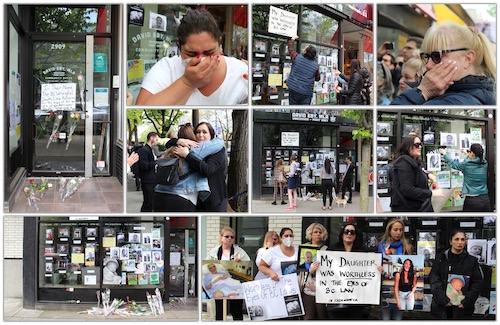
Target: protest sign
[[58, 97], [282, 22], [348, 278], [268, 299], [394, 265]]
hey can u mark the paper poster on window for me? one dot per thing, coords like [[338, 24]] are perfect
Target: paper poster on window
[[135, 70], [464, 140], [444, 179], [348, 278], [101, 97], [290, 139], [275, 79], [268, 299], [175, 258], [282, 22], [58, 97], [475, 135], [100, 62], [457, 179]]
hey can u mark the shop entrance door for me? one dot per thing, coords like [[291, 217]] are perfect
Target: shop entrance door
[[182, 263], [65, 107]]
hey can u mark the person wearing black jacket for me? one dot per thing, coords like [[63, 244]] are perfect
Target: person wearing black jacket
[[354, 85], [147, 171], [347, 179], [455, 261], [213, 167], [410, 190]]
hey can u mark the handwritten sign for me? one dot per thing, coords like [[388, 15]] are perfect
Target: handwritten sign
[[268, 299], [58, 97], [290, 139], [348, 278], [282, 22]]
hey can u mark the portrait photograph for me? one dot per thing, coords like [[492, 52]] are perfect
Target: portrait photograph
[[124, 253], [275, 50], [307, 255], [434, 162], [412, 129], [464, 139], [114, 252], [384, 128], [157, 21], [134, 238], [260, 46], [492, 252], [62, 248], [477, 248], [91, 232], [156, 256], [146, 239], [77, 233], [48, 267], [63, 232], [428, 137], [157, 244], [109, 232], [136, 16], [448, 139], [49, 233], [383, 152]]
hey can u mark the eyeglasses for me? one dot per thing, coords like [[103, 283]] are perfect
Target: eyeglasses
[[349, 232], [468, 151], [232, 237], [418, 145], [437, 55], [400, 63]]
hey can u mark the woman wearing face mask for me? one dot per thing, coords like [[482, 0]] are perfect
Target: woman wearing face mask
[[201, 75], [316, 234], [350, 240], [228, 251], [271, 239], [475, 170], [410, 189], [455, 261], [214, 167], [461, 68], [393, 242], [270, 264]]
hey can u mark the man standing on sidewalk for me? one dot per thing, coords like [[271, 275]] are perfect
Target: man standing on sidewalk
[[347, 179], [147, 171]]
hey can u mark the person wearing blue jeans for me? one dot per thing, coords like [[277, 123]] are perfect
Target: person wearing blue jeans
[[405, 284]]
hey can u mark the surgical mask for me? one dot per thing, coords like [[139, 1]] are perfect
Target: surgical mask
[[185, 62], [288, 241]]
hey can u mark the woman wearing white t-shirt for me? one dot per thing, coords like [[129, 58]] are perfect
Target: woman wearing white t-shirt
[[201, 75], [228, 251], [271, 239], [271, 262]]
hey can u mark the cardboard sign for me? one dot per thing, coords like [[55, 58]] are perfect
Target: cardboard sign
[[58, 97], [290, 139], [282, 22], [268, 299], [348, 278]]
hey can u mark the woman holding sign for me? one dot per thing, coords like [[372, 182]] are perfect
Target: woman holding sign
[[316, 234], [455, 271], [228, 251], [350, 240], [393, 242]]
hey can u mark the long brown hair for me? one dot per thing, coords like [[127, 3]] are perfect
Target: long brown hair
[[407, 248], [186, 131]]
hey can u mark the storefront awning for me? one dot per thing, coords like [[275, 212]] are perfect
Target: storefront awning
[[425, 9], [240, 17]]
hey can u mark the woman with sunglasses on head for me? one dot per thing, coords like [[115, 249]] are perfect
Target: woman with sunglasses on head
[[350, 240], [316, 235], [201, 74], [213, 166], [394, 242], [461, 68], [475, 170], [228, 251], [305, 70], [455, 262], [410, 189], [271, 239], [192, 186]]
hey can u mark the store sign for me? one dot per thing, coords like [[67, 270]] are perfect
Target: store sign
[[350, 278], [313, 117], [290, 139], [58, 97], [282, 22]]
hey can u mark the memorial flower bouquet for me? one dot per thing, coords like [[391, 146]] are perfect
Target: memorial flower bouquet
[[74, 118], [55, 128], [30, 194], [43, 187], [62, 186], [72, 186]]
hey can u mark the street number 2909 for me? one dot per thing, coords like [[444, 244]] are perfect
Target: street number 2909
[[57, 46]]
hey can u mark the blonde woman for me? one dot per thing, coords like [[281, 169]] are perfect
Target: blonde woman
[[411, 74], [271, 239], [279, 180], [461, 68]]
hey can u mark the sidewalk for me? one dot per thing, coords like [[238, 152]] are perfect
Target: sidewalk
[[175, 311], [264, 206]]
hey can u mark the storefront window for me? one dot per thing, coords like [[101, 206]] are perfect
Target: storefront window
[[436, 131], [251, 232], [73, 20], [319, 28]]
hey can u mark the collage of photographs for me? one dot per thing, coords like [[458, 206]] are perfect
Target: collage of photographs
[[247, 161]]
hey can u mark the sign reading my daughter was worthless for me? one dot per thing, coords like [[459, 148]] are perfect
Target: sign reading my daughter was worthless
[[348, 278], [282, 22]]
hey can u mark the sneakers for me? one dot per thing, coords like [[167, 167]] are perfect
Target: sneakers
[[290, 208], [274, 203], [283, 203]]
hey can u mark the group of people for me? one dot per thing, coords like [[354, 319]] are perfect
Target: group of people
[[203, 167], [327, 175], [410, 181], [452, 65], [280, 248]]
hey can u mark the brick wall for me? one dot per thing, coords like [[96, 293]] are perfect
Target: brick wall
[[214, 225], [295, 223], [13, 237]]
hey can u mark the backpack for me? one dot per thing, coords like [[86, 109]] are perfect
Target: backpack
[[298, 172], [168, 171]]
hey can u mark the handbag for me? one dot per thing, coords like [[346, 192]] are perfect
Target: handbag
[[281, 178]]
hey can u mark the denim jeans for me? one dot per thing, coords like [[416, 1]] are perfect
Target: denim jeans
[[406, 304], [392, 313]]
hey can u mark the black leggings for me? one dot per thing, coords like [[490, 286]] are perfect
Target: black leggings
[[327, 185], [480, 203], [235, 307], [163, 202]]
